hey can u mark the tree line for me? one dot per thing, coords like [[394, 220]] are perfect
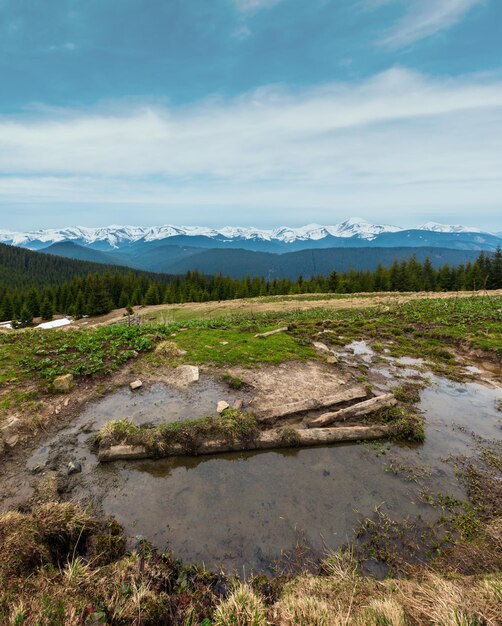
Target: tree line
[[99, 293]]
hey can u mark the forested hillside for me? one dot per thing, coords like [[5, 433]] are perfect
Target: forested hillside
[[20, 268], [240, 263], [32, 285]]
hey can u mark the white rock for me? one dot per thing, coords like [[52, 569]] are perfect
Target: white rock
[[136, 384], [9, 431], [321, 347], [222, 406], [187, 374]]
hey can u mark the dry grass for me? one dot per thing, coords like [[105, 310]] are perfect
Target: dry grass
[[242, 608], [55, 572], [342, 597]]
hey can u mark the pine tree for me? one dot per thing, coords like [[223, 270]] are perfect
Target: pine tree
[[46, 309], [26, 317]]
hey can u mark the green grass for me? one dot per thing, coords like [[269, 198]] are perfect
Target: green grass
[[30, 360], [239, 347], [430, 329], [231, 426]]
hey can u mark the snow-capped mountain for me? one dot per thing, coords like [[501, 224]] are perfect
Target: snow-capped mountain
[[115, 235], [351, 232], [448, 228]]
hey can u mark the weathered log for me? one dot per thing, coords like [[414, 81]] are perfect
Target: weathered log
[[356, 410], [115, 453], [292, 408], [272, 332], [268, 440]]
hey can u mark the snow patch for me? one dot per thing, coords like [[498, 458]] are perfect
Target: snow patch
[[54, 323]]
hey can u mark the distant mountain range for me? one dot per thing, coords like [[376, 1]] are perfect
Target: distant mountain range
[[282, 252]]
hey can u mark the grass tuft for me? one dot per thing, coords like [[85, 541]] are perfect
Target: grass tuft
[[242, 608]]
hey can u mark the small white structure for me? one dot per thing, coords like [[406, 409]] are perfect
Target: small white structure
[[55, 323], [6, 325]]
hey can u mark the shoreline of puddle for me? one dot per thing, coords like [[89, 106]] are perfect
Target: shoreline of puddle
[[241, 511]]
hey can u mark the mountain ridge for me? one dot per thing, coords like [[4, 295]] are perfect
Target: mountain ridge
[[116, 236]]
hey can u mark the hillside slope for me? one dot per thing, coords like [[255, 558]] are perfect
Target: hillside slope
[[239, 263], [20, 268]]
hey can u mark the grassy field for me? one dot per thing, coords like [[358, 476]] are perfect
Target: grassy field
[[62, 566], [426, 328]]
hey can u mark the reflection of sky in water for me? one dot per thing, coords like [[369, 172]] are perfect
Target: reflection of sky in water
[[240, 510]]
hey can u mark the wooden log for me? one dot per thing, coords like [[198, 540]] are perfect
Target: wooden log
[[272, 332], [116, 453], [292, 408], [267, 440], [356, 410]]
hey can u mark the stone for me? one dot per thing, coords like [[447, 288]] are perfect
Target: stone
[[237, 405], [321, 347], [224, 343], [136, 384], [74, 467], [332, 360], [222, 406], [63, 384], [187, 374], [11, 441], [10, 431]]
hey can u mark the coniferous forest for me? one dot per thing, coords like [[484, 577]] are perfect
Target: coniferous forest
[[37, 285]]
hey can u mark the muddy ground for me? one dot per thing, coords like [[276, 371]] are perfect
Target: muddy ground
[[206, 510]]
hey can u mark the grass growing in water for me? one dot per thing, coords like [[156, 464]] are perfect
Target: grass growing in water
[[187, 435]]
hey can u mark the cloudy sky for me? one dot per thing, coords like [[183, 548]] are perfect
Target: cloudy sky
[[250, 112]]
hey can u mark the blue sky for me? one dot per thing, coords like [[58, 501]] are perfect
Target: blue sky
[[262, 112]]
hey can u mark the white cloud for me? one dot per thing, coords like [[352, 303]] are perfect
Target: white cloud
[[243, 32], [422, 19], [68, 46], [396, 142], [249, 6]]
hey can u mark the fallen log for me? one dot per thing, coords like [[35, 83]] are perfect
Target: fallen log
[[115, 453], [356, 410], [267, 440], [292, 408], [272, 332]]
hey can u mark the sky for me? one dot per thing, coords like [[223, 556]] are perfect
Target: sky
[[250, 112]]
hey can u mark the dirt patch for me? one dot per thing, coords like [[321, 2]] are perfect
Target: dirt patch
[[291, 382]]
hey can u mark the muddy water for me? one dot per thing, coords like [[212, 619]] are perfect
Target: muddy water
[[239, 511]]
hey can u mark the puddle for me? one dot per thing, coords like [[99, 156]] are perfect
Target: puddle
[[361, 349], [149, 405], [240, 511]]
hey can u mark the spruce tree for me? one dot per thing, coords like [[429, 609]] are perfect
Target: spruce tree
[[46, 309]]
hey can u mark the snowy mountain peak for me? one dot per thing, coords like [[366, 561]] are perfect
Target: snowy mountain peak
[[448, 228], [115, 236]]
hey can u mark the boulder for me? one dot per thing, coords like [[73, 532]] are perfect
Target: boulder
[[222, 406], [187, 374], [136, 384], [63, 384]]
